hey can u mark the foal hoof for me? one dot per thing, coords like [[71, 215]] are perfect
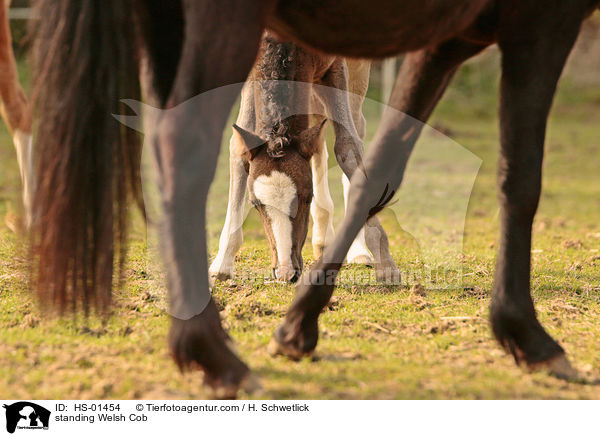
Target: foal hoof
[[318, 250], [362, 259], [388, 273], [558, 366], [220, 276]]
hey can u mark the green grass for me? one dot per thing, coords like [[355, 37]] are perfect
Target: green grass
[[376, 341]]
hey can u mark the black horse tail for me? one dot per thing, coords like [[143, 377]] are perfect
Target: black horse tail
[[87, 169]]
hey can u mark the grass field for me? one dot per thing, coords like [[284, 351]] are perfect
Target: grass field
[[376, 342]]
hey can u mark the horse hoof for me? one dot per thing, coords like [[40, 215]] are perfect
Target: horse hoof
[[362, 259], [14, 222], [221, 276], [558, 366], [250, 384], [275, 348], [318, 250], [201, 343], [388, 273], [297, 345]]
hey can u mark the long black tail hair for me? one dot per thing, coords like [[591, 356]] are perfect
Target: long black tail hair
[[85, 61]]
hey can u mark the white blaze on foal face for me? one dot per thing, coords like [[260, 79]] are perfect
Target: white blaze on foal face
[[280, 187], [277, 193]]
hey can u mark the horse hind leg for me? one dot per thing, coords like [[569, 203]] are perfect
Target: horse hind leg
[[187, 154], [358, 252], [349, 152], [530, 72], [358, 84]]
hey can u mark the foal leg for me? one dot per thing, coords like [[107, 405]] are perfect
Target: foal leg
[[421, 82], [221, 43], [321, 208], [530, 71], [358, 252], [232, 235], [14, 111], [358, 84], [349, 150]]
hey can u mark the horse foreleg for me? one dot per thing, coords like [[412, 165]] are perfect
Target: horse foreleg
[[232, 236], [222, 39], [321, 207], [530, 70], [421, 82]]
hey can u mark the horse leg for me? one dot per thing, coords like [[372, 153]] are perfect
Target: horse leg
[[358, 252], [359, 72], [358, 84], [349, 151], [14, 111], [232, 235], [531, 68], [421, 82], [321, 207], [221, 43]]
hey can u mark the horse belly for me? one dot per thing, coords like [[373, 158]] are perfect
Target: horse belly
[[371, 29]]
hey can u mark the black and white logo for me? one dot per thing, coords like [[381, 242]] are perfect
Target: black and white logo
[[26, 416]]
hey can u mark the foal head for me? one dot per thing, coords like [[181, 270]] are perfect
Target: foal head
[[280, 188]]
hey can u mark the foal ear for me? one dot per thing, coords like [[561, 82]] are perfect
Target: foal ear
[[309, 141], [247, 143]]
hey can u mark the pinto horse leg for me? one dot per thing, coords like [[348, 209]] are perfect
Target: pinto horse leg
[[221, 43], [232, 237], [531, 68], [358, 84], [321, 207], [358, 252], [349, 151], [421, 82]]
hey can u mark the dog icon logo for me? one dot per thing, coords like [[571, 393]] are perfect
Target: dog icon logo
[[26, 415]]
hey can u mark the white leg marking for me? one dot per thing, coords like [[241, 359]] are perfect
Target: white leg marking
[[278, 192], [232, 235], [358, 252], [24, 146], [321, 208]]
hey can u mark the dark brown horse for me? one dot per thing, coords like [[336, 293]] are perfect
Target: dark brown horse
[[87, 58]]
